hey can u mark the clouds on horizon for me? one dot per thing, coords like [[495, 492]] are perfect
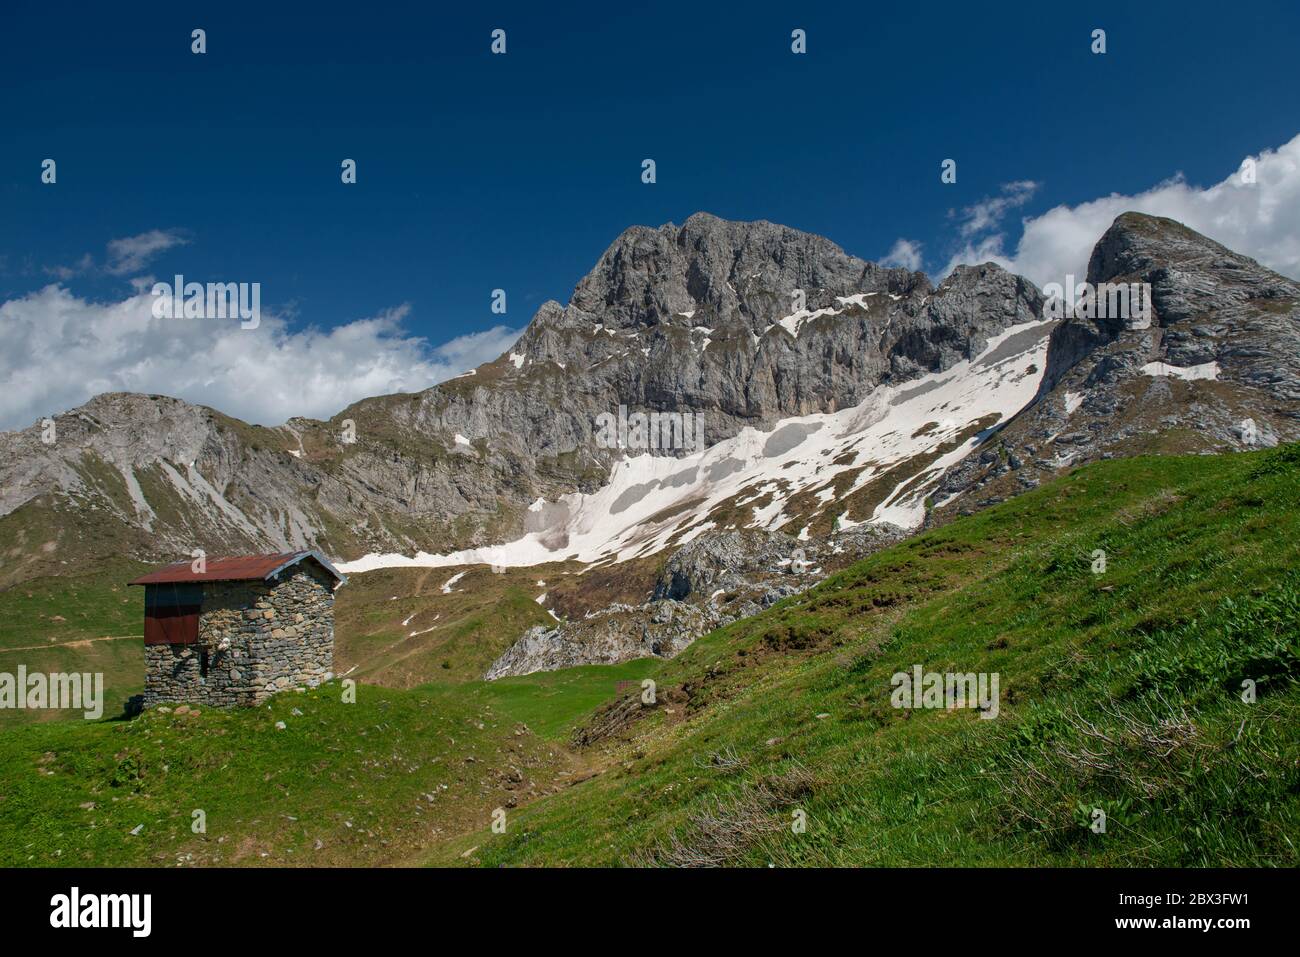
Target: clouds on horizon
[[1260, 220], [62, 350]]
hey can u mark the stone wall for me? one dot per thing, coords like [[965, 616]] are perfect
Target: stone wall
[[258, 638]]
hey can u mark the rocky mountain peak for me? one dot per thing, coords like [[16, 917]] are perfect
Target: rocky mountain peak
[[710, 268], [1202, 297], [1181, 265], [1211, 362]]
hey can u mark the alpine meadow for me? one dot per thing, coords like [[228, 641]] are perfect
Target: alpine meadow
[[580, 440]]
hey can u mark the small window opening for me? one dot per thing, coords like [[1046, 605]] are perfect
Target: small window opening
[[203, 663]]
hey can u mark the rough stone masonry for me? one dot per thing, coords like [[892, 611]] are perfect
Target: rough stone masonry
[[255, 638]]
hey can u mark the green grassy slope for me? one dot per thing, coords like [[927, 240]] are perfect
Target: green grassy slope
[[1119, 691], [361, 783], [397, 627], [88, 622]]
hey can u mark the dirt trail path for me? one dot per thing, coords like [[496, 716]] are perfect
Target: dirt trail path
[[572, 767], [419, 583], [76, 643]]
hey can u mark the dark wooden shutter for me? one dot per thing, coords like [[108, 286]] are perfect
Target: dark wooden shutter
[[171, 614], [175, 625]]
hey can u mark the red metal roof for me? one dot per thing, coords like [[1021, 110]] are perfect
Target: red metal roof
[[234, 568]]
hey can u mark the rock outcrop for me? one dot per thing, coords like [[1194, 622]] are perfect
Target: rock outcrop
[[1213, 366], [714, 580]]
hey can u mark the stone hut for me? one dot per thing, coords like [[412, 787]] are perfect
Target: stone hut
[[237, 630]]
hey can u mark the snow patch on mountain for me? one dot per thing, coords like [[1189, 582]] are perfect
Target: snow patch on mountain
[[1206, 370], [651, 502]]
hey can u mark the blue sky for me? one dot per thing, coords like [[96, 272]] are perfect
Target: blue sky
[[478, 172]]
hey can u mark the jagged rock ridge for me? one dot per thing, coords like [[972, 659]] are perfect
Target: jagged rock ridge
[[695, 318]]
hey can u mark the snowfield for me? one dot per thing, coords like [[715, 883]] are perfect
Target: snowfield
[[651, 500]]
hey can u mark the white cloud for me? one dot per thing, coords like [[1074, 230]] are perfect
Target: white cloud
[[904, 253], [988, 212], [61, 350], [133, 253], [1260, 220], [124, 256], [83, 265]]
